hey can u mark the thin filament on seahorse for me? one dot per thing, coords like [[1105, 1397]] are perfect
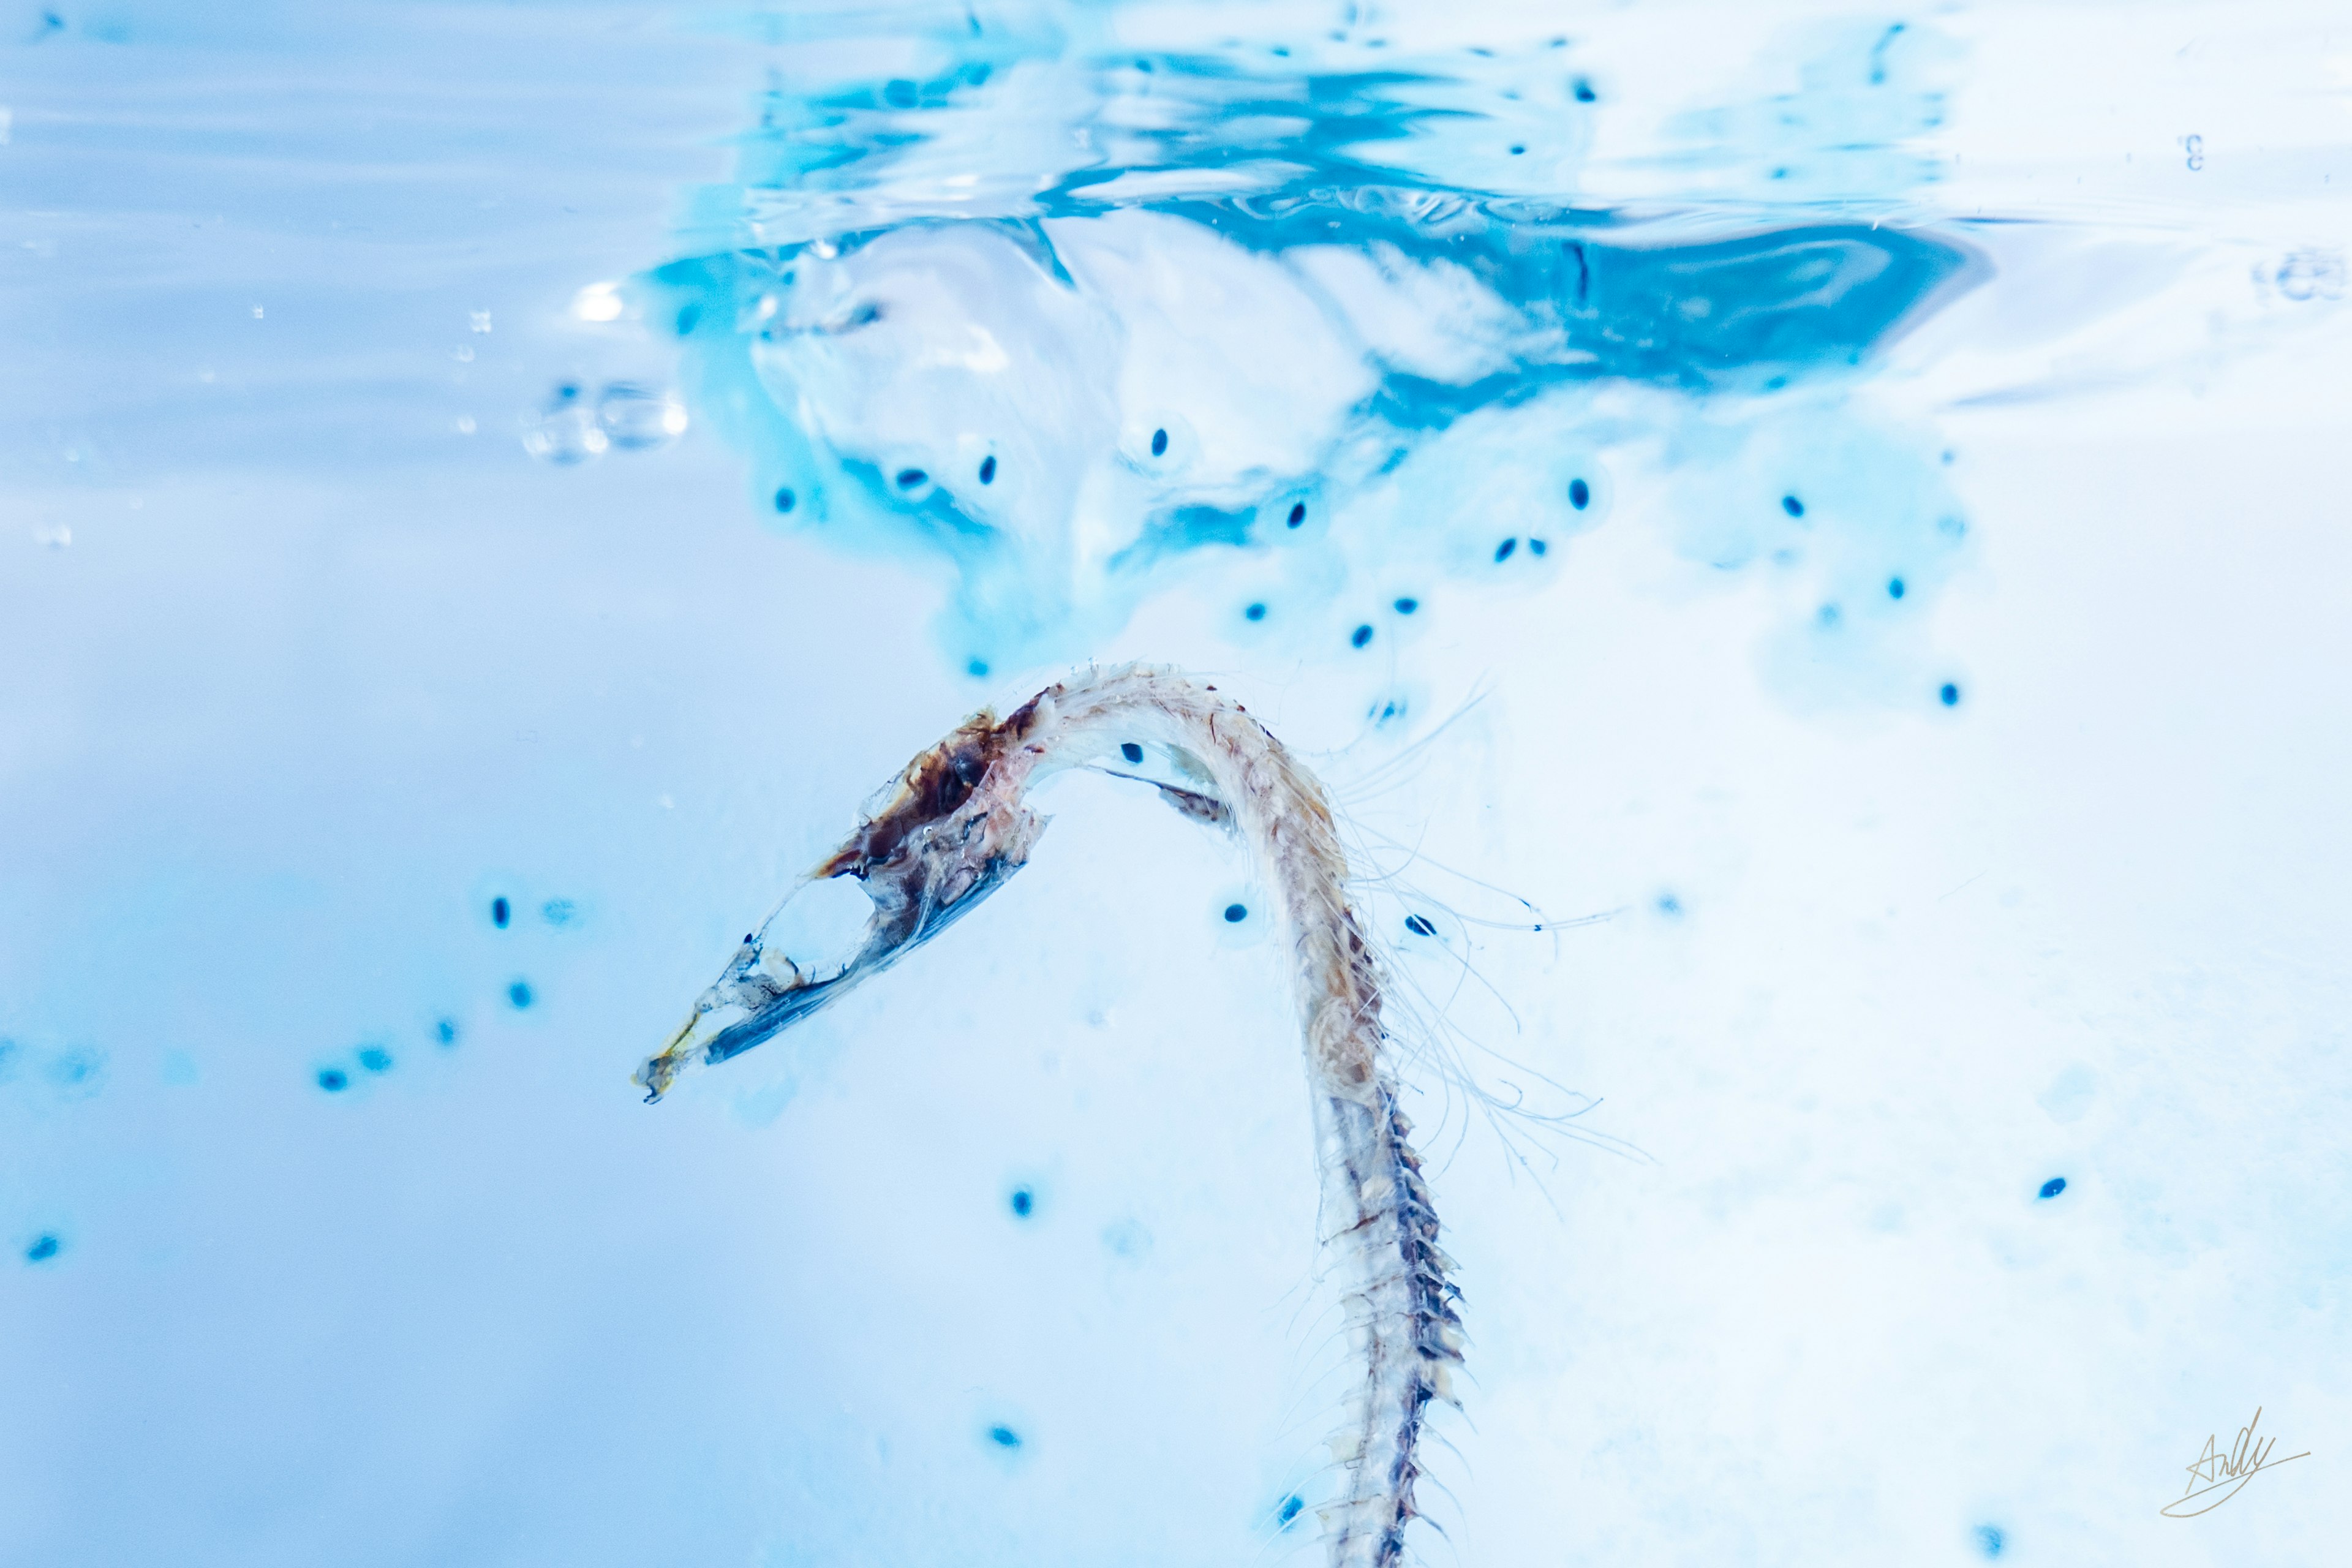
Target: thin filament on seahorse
[[958, 826]]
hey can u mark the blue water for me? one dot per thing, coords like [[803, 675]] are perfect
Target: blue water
[[1249, 321], [1838, 513]]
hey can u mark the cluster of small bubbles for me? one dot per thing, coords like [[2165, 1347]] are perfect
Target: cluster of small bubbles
[[1990, 1541], [568, 429], [374, 1059], [2311, 275], [44, 1247], [559, 912]]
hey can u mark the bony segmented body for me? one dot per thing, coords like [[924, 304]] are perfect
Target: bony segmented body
[[958, 825]]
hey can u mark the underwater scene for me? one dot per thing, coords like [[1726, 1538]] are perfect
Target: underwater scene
[[1174, 782]]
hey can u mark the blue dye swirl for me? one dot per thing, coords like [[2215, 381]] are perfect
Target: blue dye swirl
[[1254, 284]]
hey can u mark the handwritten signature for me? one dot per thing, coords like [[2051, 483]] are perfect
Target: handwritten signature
[[2225, 1474]]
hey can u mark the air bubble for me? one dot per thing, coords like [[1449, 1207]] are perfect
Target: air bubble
[[639, 418], [564, 430]]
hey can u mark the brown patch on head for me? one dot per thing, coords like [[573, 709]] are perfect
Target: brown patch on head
[[930, 789]]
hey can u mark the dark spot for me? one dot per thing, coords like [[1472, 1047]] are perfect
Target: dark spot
[[1503, 550], [1005, 1437], [1159, 443], [1254, 612], [1948, 695], [1579, 494], [1407, 605], [1236, 913], [1584, 93], [1024, 1200], [988, 469], [899, 93], [2053, 1186], [786, 499], [376, 1059], [500, 912], [1131, 751], [520, 993], [1828, 616], [909, 478], [976, 667], [1297, 512], [1669, 905], [1792, 506], [1894, 587], [1516, 151], [445, 1031], [1536, 546], [334, 1080], [44, 1247], [1419, 925], [1292, 1507], [688, 317], [1989, 1539], [1361, 635]]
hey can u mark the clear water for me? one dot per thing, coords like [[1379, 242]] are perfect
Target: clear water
[[1851, 499]]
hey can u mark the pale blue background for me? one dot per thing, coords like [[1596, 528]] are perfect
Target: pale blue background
[[294, 677]]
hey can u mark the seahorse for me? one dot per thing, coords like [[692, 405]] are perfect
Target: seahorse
[[957, 825]]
